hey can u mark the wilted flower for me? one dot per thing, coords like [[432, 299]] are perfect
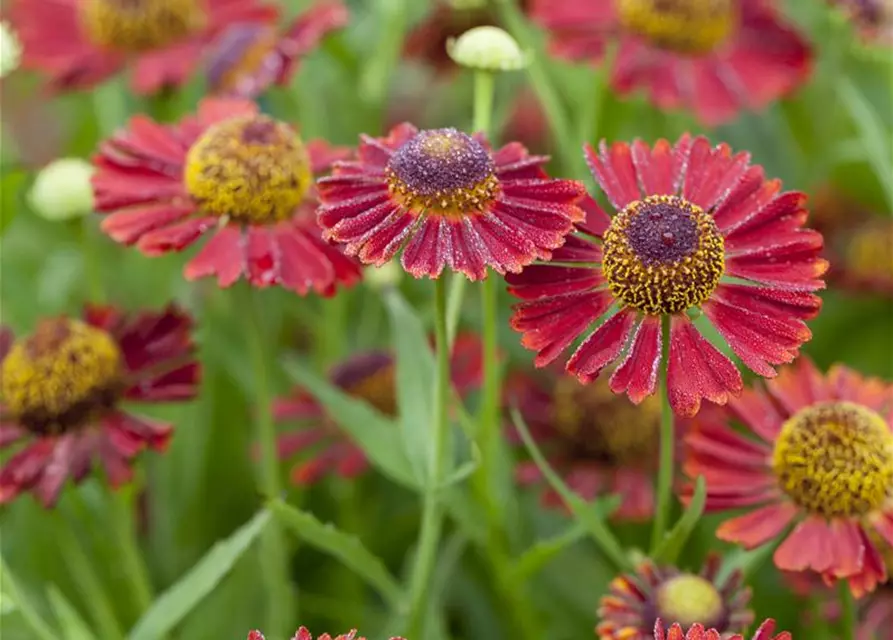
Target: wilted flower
[[368, 376], [713, 57], [444, 199], [692, 222], [636, 602], [62, 190], [61, 390], [818, 452], [81, 43], [230, 171], [248, 57]]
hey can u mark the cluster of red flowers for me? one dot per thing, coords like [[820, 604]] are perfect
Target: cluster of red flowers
[[686, 255]]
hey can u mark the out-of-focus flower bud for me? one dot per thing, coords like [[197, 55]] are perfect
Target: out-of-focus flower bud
[[487, 49], [10, 50], [62, 190]]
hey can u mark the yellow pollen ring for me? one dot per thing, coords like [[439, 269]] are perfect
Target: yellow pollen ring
[[688, 599], [141, 25], [252, 169], [663, 286], [835, 459], [64, 367], [684, 26], [455, 203]]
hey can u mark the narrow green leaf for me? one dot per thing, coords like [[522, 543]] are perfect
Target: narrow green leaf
[[592, 516], [874, 137], [747, 561], [674, 541], [72, 624], [346, 548], [12, 591], [378, 436], [537, 556], [175, 604], [415, 382], [464, 470]]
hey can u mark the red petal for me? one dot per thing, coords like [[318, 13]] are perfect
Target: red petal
[[214, 110], [637, 375], [759, 413], [224, 255], [757, 527], [655, 167], [262, 256], [807, 547], [710, 180], [596, 221], [799, 386], [602, 347], [424, 253], [386, 240], [304, 261], [175, 237], [129, 225], [468, 254], [613, 169]]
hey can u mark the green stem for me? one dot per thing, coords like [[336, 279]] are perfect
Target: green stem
[[92, 268], [377, 76], [273, 556], [41, 629], [591, 121], [432, 510], [132, 560], [847, 611], [484, 89], [667, 441]]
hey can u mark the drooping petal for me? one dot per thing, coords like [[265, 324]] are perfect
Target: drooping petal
[[758, 527], [602, 347], [637, 374]]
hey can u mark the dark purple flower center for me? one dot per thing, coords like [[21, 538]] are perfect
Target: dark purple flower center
[[663, 255], [141, 25], [60, 376], [443, 171]]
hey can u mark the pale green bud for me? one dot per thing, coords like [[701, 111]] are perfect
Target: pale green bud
[[10, 50], [62, 190], [487, 49]]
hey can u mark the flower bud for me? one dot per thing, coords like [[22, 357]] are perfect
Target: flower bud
[[62, 190], [10, 49], [487, 49]]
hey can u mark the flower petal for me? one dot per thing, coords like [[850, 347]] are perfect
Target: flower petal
[[637, 374], [758, 527], [602, 347]]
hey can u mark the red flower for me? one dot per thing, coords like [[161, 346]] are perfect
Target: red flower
[[231, 171], [80, 43], [304, 634], [370, 377], [598, 442], [877, 616], [446, 200], [636, 603], [248, 57], [714, 58], [873, 19], [690, 218], [820, 454], [698, 632], [61, 388]]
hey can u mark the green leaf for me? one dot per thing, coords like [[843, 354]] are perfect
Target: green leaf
[[671, 546], [12, 591], [747, 561], [180, 599], [591, 516], [348, 549], [538, 555], [874, 138], [415, 382], [378, 436], [11, 186], [71, 622]]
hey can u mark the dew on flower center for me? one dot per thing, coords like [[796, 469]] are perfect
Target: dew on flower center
[[685, 26], [443, 172], [604, 427], [140, 25], [835, 459], [251, 169], [687, 599], [663, 255], [60, 376]]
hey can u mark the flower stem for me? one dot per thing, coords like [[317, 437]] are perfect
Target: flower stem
[[132, 560], [273, 556], [667, 442], [592, 117], [432, 511], [847, 611], [484, 86]]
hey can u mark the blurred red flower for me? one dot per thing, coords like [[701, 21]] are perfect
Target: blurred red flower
[[231, 171], [446, 200], [714, 58], [818, 452], [80, 43], [691, 218], [62, 387], [368, 376], [304, 634], [873, 19], [698, 632]]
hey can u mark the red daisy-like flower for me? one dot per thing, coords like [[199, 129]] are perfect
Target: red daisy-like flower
[[713, 57], [876, 618], [304, 634], [444, 199], [698, 632], [634, 603], [599, 442], [231, 171], [248, 57], [872, 18], [698, 229], [369, 376], [80, 43], [61, 390], [818, 452]]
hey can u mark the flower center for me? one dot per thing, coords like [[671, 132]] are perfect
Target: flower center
[[252, 169], [835, 459], [663, 255], [688, 599], [684, 26], [603, 427], [443, 172], [869, 253], [61, 376], [141, 25], [241, 59]]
